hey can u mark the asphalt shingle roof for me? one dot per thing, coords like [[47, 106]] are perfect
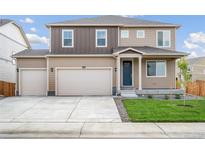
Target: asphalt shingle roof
[[153, 51], [146, 50], [4, 21], [32, 52], [113, 20]]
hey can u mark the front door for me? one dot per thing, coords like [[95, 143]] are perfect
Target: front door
[[127, 73]]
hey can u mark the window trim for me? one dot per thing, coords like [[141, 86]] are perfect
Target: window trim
[[137, 36], [96, 39], [67, 30], [163, 40], [164, 76], [121, 33]]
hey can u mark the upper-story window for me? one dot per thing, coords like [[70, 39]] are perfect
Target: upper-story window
[[140, 33], [124, 34], [67, 38], [163, 38], [101, 38]]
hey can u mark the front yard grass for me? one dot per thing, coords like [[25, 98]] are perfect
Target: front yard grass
[[153, 110]]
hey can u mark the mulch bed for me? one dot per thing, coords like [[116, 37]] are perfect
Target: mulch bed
[[121, 109]]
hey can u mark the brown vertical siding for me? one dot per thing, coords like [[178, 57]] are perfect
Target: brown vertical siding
[[84, 40], [149, 40], [79, 62]]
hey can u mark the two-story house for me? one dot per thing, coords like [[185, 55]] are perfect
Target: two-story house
[[12, 40], [101, 56]]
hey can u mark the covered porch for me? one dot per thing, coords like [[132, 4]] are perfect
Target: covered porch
[[134, 76]]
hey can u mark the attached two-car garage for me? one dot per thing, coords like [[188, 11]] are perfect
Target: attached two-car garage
[[68, 81], [87, 81]]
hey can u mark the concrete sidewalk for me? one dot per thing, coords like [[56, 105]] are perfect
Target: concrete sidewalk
[[102, 130]]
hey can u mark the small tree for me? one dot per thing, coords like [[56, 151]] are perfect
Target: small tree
[[185, 75]]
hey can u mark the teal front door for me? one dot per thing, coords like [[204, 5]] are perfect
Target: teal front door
[[127, 73]]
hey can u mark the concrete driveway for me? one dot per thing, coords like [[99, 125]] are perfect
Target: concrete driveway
[[58, 109]]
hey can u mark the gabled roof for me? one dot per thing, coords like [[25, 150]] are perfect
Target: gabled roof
[[5, 21], [147, 50], [111, 20]]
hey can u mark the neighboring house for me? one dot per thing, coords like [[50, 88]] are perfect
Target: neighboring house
[[197, 68], [101, 56], [12, 40]]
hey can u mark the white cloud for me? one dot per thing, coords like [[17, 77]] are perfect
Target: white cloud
[[193, 54], [27, 20], [131, 16], [36, 39], [33, 29], [198, 37], [190, 45], [195, 44]]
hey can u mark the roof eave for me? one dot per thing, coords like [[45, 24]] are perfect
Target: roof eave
[[118, 25], [167, 55], [23, 34], [24, 56]]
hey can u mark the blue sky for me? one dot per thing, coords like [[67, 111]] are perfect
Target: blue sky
[[190, 37]]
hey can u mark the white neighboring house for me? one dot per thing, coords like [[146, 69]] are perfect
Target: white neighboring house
[[12, 40]]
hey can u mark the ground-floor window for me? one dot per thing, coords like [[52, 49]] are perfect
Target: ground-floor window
[[156, 68]]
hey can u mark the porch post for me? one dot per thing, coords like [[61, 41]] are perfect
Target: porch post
[[140, 73], [118, 74]]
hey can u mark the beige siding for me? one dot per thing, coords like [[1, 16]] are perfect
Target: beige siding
[[159, 82], [154, 82], [78, 62], [149, 40], [31, 63], [198, 71], [198, 77], [166, 82]]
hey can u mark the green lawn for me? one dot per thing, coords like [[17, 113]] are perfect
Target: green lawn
[[152, 110]]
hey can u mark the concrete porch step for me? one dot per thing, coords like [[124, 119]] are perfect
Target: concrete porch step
[[129, 93]]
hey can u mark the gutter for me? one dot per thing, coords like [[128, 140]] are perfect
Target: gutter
[[109, 55], [46, 56], [115, 25]]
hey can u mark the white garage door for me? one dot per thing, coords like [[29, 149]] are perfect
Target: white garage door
[[84, 82], [33, 82]]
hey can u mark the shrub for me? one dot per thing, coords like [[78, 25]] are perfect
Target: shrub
[[150, 96], [166, 97], [177, 96]]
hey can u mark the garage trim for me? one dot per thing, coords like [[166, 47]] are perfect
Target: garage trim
[[80, 68], [19, 79]]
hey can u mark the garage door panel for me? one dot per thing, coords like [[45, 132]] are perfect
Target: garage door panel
[[33, 82], [84, 82]]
